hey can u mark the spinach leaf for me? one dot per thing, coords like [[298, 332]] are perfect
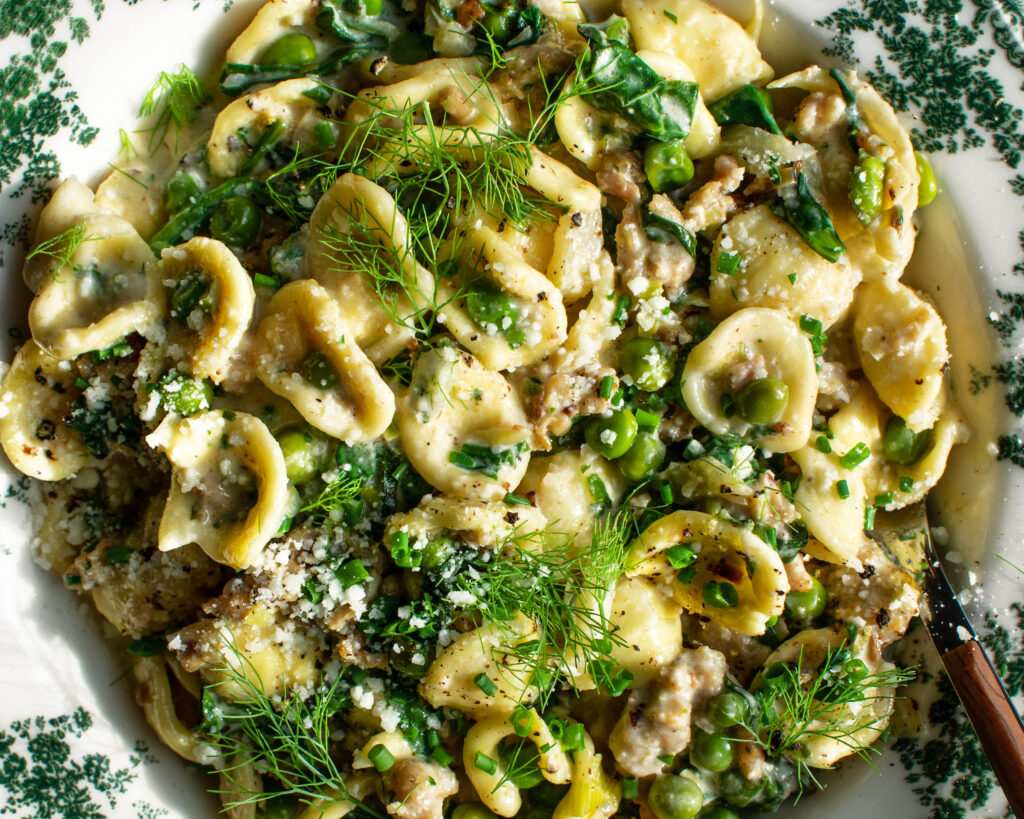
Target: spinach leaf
[[615, 79], [854, 118], [101, 425], [797, 205], [747, 105], [359, 29], [487, 461], [664, 231]]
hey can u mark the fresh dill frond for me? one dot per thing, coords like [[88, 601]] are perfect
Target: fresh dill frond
[[287, 738], [60, 248], [329, 505], [125, 173], [174, 100], [796, 705], [127, 148]]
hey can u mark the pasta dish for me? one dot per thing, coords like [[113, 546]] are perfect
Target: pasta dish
[[474, 409]]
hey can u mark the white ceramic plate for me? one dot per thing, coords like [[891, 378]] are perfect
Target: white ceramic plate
[[72, 741]]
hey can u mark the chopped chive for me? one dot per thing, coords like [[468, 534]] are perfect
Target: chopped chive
[[792, 278], [630, 787], [856, 456], [320, 94], [728, 263], [607, 387], [621, 312], [869, 517], [381, 758], [843, 488], [823, 444], [681, 555], [686, 575], [521, 721], [721, 595], [883, 498], [441, 757], [81, 383], [666, 759], [263, 280], [516, 500], [572, 737], [351, 573], [433, 739], [72, 579], [655, 403], [485, 684], [117, 554], [324, 134], [312, 591], [485, 763], [674, 19], [906, 484], [647, 421], [667, 497]]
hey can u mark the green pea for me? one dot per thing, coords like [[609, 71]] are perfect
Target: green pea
[[643, 458], [188, 293], [866, 185], [410, 658], [727, 709], [295, 48], [497, 22], [411, 47], [364, 8], [717, 812], [674, 797], [737, 790], [472, 810], [180, 192], [437, 551], [929, 186], [186, 396], [548, 794], [721, 595], [762, 401], [650, 363], [305, 454], [747, 105], [807, 605], [319, 371], [711, 752], [612, 436], [236, 221], [490, 307], [901, 445], [667, 165]]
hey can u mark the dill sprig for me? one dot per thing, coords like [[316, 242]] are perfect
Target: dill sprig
[[330, 504], [174, 99], [60, 248], [564, 590], [286, 737], [796, 705]]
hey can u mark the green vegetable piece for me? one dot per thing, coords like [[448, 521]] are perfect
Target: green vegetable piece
[[294, 48], [411, 47], [865, 188], [674, 797], [806, 605], [717, 812], [267, 140], [320, 371], [643, 458], [437, 551], [472, 810], [484, 763], [727, 709], [612, 436], [351, 573], [928, 189], [236, 221], [188, 293], [186, 396], [381, 757], [650, 363], [721, 595], [747, 105], [364, 8], [497, 21], [192, 218], [305, 454], [901, 445], [491, 308], [810, 219], [711, 752], [484, 459], [737, 790], [681, 555], [667, 165], [762, 401], [665, 231], [180, 192], [616, 80]]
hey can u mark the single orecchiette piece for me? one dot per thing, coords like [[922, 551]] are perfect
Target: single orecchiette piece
[[357, 218], [35, 397], [883, 246], [350, 401], [723, 553], [593, 794], [285, 102], [496, 790], [720, 53], [229, 488], [462, 426], [107, 291], [449, 680], [274, 19], [847, 728], [478, 523], [210, 306], [901, 341], [760, 261], [491, 265], [154, 695], [753, 344]]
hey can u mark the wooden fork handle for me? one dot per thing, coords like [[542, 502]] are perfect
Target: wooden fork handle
[[993, 716]]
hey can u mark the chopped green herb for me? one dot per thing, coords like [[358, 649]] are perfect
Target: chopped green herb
[[381, 758], [485, 684], [856, 456]]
